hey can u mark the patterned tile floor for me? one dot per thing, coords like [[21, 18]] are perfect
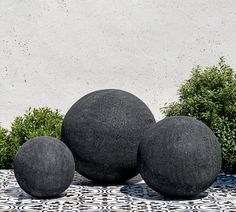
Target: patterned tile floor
[[83, 195]]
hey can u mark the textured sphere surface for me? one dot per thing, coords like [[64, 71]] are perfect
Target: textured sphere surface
[[44, 167], [179, 157], [103, 130]]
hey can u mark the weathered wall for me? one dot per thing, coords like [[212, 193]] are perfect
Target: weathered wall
[[54, 52]]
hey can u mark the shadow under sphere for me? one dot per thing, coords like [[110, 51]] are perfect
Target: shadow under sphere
[[103, 130]]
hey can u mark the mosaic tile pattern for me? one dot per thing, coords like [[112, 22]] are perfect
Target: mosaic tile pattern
[[83, 195]]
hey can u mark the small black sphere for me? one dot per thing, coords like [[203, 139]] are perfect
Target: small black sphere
[[103, 130], [44, 167], [179, 157]]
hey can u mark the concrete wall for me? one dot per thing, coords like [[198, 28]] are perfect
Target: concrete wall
[[54, 52]]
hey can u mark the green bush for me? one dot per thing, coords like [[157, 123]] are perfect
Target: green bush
[[35, 122], [8, 149], [210, 96]]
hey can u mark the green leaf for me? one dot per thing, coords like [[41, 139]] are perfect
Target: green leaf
[[210, 96]]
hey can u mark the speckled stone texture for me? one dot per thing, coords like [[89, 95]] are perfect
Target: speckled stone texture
[[180, 157], [103, 130], [70, 47], [44, 167]]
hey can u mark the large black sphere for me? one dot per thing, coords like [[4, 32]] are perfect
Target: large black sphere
[[103, 130], [44, 167], [179, 157]]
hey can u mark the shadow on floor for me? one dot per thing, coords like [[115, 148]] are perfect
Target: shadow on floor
[[82, 181], [143, 191], [19, 194], [225, 182]]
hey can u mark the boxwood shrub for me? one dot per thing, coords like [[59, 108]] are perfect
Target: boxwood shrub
[[8, 149], [210, 96], [35, 122]]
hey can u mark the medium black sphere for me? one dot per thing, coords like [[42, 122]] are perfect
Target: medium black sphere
[[103, 130], [179, 157], [44, 167]]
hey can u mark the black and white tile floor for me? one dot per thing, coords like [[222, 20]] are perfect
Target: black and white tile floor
[[83, 195]]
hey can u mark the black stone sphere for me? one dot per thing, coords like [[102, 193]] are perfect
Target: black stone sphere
[[103, 130], [179, 157], [44, 167]]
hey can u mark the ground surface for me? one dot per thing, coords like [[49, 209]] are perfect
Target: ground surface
[[83, 195]]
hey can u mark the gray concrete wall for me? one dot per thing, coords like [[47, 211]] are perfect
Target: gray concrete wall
[[54, 52]]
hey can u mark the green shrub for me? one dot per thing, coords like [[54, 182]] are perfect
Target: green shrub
[[8, 149], [36, 122], [210, 96]]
